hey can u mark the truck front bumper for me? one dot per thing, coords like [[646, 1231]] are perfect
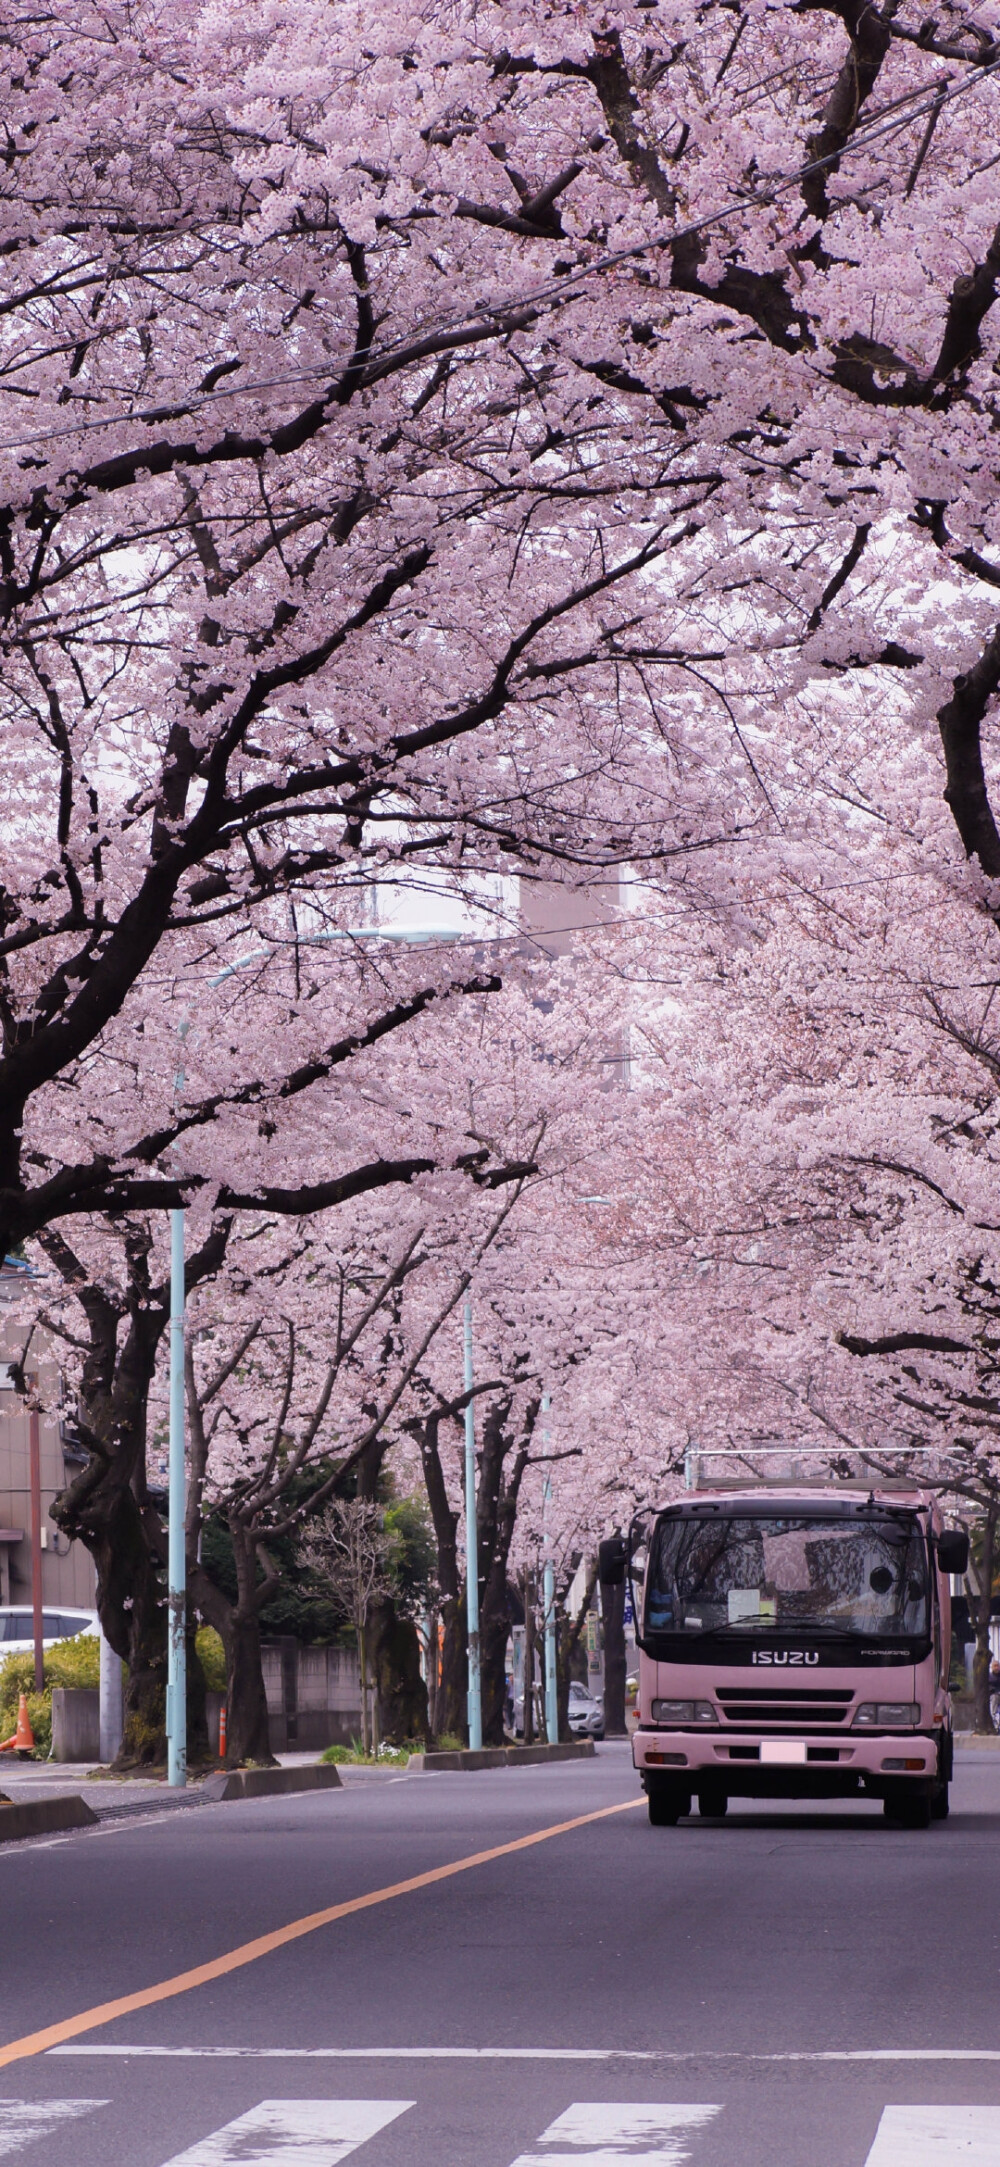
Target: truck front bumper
[[749, 1765]]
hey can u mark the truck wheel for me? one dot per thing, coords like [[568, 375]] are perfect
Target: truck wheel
[[908, 1812], [939, 1803], [713, 1804], [667, 1802]]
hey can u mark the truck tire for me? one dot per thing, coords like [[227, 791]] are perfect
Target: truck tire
[[908, 1812], [667, 1803], [713, 1804], [939, 1803]]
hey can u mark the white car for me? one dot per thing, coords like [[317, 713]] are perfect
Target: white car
[[17, 1628], [586, 1713]]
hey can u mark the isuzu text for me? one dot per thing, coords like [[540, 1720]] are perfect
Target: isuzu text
[[793, 1643]]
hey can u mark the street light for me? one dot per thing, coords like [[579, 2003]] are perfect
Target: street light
[[475, 1697], [549, 1604], [176, 1515]]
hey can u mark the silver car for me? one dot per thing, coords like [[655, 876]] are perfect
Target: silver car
[[586, 1713]]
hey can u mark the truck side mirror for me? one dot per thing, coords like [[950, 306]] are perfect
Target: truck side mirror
[[611, 1557], [953, 1550]]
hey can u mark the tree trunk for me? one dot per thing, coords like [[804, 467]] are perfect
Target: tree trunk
[[528, 1703], [400, 1690], [496, 1514], [248, 1735], [613, 1613], [451, 1699], [983, 1605], [494, 1634], [106, 1505], [247, 1729], [363, 1675], [144, 1740], [452, 1713]]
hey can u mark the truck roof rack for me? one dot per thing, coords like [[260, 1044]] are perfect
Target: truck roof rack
[[792, 1482]]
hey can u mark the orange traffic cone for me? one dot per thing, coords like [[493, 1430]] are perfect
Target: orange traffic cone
[[23, 1740]]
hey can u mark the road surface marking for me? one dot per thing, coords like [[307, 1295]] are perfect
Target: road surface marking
[[937, 2137], [542, 2054], [183, 1982], [614, 2132], [293, 2133], [110, 1826], [23, 2119]]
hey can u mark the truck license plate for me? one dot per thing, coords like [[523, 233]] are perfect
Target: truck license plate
[[783, 1751]]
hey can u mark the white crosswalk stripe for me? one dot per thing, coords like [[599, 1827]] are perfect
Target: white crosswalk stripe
[[604, 2133], [937, 2137], [590, 2133], [23, 2119], [293, 2133]]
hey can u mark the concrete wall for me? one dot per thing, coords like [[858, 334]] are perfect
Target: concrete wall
[[76, 1731], [76, 1723], [313, 1696], [313, 1700]]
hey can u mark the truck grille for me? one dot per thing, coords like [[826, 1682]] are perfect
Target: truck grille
[[791, 1707]]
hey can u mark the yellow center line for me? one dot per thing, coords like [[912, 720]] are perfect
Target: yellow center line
[[89, 2020]]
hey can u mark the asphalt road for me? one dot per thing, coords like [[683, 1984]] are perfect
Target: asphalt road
[[788, 1988]]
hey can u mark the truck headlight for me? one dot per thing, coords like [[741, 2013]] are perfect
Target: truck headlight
[[884, 1714], [683, 1711]]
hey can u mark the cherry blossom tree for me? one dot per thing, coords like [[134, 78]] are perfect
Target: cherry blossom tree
[[351, 1549], [438, 445], [445, 442], [105, 1293], [300, 1363]]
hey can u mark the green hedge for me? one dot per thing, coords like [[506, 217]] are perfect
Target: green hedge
[[212, 1657], [67, 1662], [77, 1662]]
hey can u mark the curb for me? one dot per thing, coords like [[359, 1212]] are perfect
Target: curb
[[500, 1757], [39, 1816], [270, 1782]]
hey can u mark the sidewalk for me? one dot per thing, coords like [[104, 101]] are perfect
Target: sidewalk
[[111, 1795]]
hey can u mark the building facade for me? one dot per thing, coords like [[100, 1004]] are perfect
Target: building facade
[[67, 1569]]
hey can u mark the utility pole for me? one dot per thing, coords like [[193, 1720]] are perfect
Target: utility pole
[[35, 1480], [176, 1560], [475, 1704], [549, 1603], [110, 1703]]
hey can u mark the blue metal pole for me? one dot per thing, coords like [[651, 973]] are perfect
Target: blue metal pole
[[472, 1550], [549, 1599], [551, 1695], [176, 1562]]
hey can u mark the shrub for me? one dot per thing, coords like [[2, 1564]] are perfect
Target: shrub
[[353, 1754], [212, 1657], [75, 1662]]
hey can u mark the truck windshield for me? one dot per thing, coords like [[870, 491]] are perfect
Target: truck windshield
[[745, 1576]]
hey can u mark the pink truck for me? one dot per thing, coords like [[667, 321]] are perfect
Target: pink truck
[[794, 1642]]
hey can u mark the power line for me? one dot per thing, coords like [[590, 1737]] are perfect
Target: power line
[[554, 291]]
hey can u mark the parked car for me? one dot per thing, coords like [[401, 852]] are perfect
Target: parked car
[[17, 1628], [586, 1712]]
